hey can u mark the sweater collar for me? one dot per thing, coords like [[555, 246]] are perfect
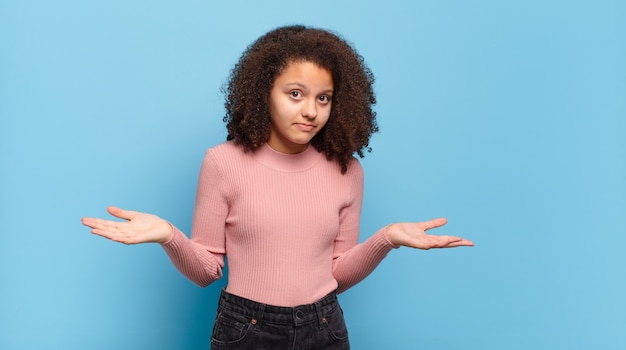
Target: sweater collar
[[287, 162]]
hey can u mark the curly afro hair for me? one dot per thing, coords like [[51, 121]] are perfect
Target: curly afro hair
[[352, 120]]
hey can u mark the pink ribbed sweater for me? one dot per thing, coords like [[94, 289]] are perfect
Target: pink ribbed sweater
[[289, 225]]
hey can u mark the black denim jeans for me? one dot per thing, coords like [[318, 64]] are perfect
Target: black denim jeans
[[245, 324]]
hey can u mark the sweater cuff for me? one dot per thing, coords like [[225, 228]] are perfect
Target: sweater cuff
[[175, 240], [383, 233]]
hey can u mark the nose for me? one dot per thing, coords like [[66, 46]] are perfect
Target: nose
[[309, 109]]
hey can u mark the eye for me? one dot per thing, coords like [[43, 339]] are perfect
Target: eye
[[295, 94], [324, 99]]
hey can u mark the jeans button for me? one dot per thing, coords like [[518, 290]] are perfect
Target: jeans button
[[299, 314]]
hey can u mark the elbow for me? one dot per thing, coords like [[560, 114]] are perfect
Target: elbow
[[205, 281]]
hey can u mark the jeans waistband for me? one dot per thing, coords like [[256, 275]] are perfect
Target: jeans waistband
[[301, 314]]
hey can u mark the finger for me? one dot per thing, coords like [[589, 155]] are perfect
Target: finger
[[427, 225], [115, 236], [115, 231], [449, 239], [443, 241], [92, 222], [87, 221], [121, 213], [461, 242], [101, 224]]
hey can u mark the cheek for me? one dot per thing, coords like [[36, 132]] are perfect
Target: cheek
[[281, 111], [276, 107]]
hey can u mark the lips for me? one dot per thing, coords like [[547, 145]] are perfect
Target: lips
[[305, 127]]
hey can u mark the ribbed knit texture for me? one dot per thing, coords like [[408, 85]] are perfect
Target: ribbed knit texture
[[288, 223]]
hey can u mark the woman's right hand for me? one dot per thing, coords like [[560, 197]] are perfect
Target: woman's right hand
[[138, 227]]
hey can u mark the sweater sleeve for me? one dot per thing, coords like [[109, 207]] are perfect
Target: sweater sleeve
[[353, 261], [201, 257]]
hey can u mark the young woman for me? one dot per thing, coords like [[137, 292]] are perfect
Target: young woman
[[282, 197]]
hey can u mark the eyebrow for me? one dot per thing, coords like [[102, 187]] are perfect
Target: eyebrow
[[304, 87]]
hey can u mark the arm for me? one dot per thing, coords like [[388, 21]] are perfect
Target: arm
[[200, 258], [353, 262]]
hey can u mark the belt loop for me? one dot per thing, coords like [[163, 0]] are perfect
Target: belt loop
[[258, 314], [222, 300], [320, 315]]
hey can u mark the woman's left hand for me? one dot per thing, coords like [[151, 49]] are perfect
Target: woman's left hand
[[413, 234]]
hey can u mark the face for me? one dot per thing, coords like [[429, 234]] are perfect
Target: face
[[300, 102]]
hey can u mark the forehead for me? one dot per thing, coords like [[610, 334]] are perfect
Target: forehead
[[305, 71]]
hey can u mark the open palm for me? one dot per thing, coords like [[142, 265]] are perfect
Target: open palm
[[413, 234], [138, 227]]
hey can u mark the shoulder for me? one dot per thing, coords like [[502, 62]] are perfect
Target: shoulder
[[355, 176], [224, 158], [354, 168], [229, 148], [352, 178], [226, 152]]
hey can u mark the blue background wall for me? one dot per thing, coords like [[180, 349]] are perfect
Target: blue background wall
[[506, 117]]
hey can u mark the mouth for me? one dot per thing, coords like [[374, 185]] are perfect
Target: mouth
[[305, 127]]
